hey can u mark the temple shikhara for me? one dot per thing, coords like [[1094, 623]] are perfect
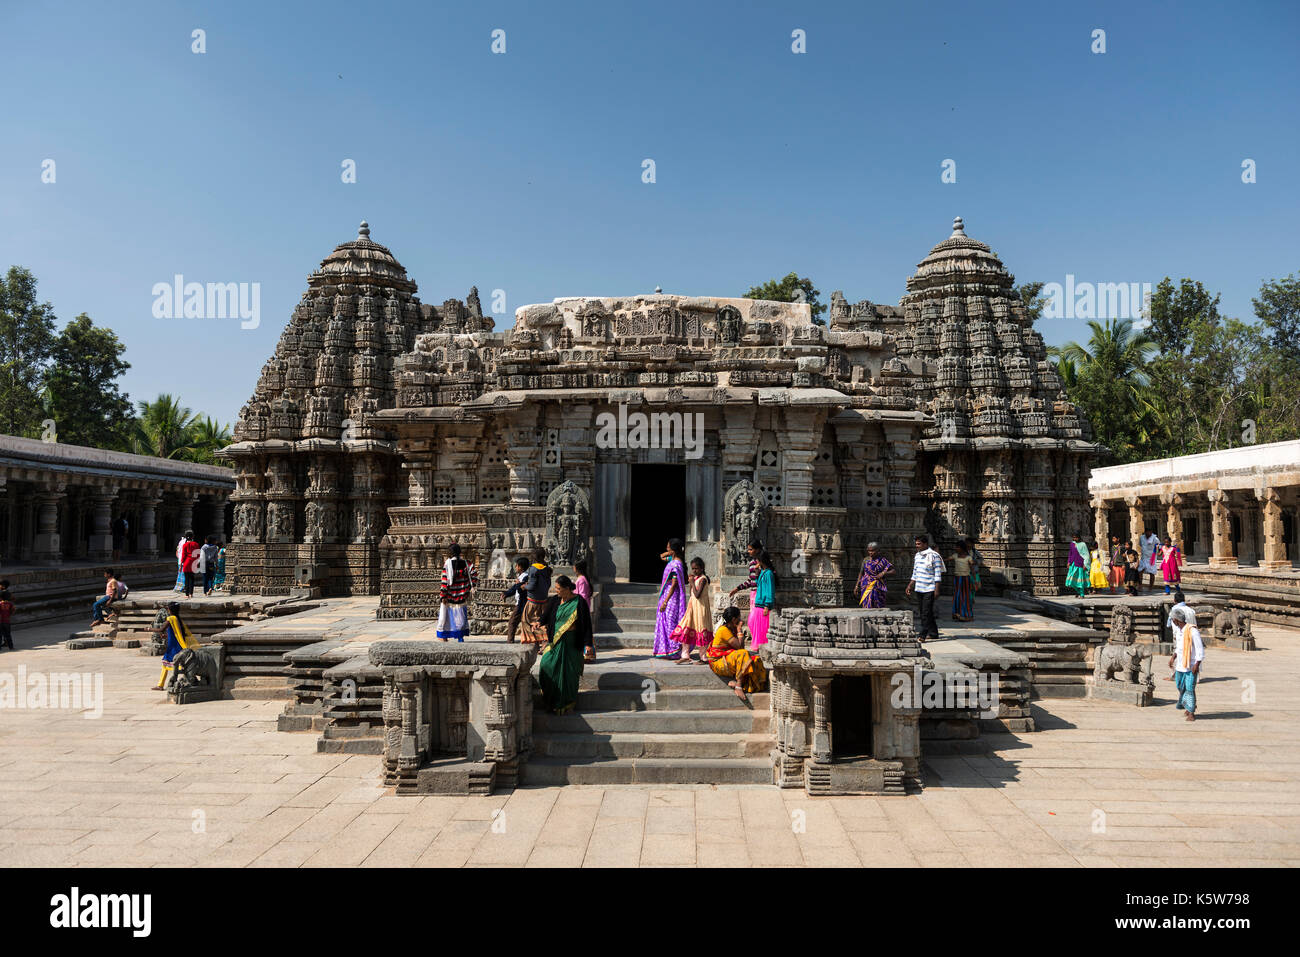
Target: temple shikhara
[[383, 429]]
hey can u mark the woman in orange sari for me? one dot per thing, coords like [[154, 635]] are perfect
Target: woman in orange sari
[[741, 669]]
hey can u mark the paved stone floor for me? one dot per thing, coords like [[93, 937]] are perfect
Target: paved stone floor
[[215, 784]]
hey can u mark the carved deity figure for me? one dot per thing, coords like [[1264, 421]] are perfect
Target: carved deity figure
[[567, 520], [744, 511]]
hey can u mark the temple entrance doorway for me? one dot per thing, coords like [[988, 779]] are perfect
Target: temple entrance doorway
[[851, 716], [657, 506]]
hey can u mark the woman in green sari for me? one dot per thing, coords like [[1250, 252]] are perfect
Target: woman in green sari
[[568, 626]]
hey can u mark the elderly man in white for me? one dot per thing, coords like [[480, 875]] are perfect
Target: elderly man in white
[[1186, 661]]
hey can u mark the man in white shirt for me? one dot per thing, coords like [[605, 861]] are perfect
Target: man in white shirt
[[1149, 546], [1189, 616], [1186, 661], [927, 572]]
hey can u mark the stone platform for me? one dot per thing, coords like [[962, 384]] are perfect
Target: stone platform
[[1098, 785]]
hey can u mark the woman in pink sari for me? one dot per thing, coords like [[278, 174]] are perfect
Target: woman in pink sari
[[1171, 562], [672, 601]]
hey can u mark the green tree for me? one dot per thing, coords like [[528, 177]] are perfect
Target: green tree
[[206, 437], [1174, 310], [791, 289], [81, 391], [1031, 296], [1278, 308], [26, 340], [165, 428], [1109, 381]]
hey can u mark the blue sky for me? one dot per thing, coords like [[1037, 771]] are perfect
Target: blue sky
[[522, 171]]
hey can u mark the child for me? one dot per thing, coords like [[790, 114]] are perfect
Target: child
[[1132, 570], [537, 587], [517, 589], [458, 578], [100, 610], [582, 587], [695, 629], [1096, 574], [6, 612]]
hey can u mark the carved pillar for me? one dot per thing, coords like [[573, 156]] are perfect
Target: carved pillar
[[739, 444], [147, 537], [821, 743], [1101, 528], [46, 548], [185, 511], [1136, 523], [101, 533], [217, 521], [1275, 556], [1173, 518], [1222, 555], [523, 452], [799, 440]]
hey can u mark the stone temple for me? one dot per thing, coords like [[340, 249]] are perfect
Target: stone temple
[[383, 429]]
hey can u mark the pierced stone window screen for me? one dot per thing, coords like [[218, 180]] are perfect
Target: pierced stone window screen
[[773, 494], [495, 492], [545, 487], [444, 495], [873, 497], [825, 496]]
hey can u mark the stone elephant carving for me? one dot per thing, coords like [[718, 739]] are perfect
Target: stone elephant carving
[[1121, 662]]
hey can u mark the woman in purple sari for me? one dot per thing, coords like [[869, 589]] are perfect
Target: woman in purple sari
[[672, 601], [871, 583]]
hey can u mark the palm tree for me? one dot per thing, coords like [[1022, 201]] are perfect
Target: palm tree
[[207, 436], [1110, 382], [165, 428]]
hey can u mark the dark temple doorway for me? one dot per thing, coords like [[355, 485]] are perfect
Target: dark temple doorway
[[657, 503], [851, 716]]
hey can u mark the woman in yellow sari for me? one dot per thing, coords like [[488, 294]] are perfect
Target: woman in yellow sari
[[742, 670]]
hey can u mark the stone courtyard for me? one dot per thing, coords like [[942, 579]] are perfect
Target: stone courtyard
[[1098, 784]]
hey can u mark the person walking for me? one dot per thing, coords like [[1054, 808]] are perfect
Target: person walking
[[1171, 564], [1096, 574], [180, 561], [537, 588], [672, 601], [963, 585], [927, 572], [568, 627], [190, 552], [1149, 545], [1076, 572], [458, 579], [871, 589], [211, 551], [582, 588], [219, 580], [1118, 564], [1186, 661]]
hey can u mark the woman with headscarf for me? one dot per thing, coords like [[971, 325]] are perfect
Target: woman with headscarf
[[568, 625], [672, 601]]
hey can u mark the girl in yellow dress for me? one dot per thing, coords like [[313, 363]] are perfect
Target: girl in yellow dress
[[742, 670], [1096, 574], [693, 630]]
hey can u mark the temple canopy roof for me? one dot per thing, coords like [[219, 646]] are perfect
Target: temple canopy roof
[[362, 261], [960, 266]]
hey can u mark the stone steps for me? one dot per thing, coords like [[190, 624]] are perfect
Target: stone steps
[[648, 745], [555, 771], [717, 721]]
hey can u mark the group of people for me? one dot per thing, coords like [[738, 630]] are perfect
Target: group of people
[[193, 559], [928, 569], [1129, 565]]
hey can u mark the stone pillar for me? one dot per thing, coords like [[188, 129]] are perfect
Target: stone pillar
[[821, 742], [46, 548], [1221, 555], [523, 452], [217, 521], [101, 533], [1174, 518], [147, 536], [1136, 523], [185, 512], [1275, 556], [1101, 528], [799, 440]]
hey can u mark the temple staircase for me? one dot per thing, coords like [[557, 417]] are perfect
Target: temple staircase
[[643, 720], [626, 617]]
